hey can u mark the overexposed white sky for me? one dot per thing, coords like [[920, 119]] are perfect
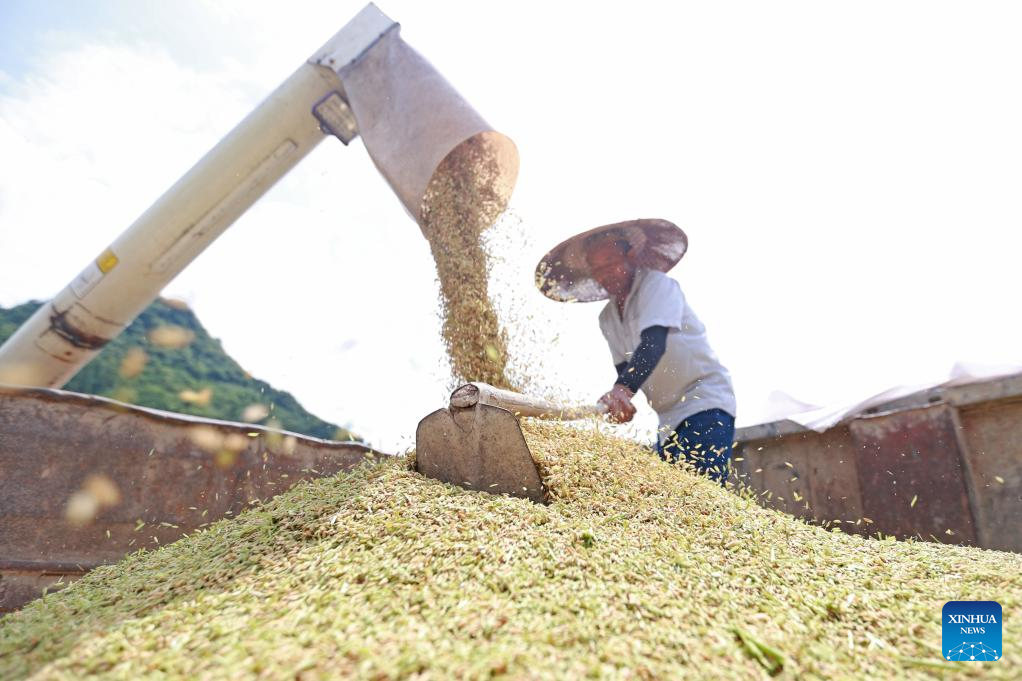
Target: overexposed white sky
[[848, 175]]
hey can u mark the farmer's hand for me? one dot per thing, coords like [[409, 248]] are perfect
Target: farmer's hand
[[619, 403]]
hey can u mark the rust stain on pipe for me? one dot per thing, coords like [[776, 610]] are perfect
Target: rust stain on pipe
[[62, 327]]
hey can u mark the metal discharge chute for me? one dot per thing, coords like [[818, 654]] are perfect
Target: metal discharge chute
[[364, 81]]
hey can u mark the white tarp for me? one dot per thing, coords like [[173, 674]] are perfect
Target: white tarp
[[783, 406]]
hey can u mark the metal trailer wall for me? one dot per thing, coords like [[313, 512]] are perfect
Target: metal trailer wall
[[51, 441], [941, 465]]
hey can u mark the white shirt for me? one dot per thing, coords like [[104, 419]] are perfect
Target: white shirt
[[688, 378]]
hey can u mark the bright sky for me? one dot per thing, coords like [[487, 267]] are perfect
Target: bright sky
[[848, 175]]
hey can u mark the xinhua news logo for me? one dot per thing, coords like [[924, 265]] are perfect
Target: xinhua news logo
[[972, 631]]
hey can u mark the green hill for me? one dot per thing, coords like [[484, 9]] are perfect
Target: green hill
[[177, 378]]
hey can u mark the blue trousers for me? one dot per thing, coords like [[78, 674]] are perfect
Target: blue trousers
[[704, 440]]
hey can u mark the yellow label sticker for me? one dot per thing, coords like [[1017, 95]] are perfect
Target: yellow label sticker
[[106, 261]]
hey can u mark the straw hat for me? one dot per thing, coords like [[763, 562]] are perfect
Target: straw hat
[[563, 273]]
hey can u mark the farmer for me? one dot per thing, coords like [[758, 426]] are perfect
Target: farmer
[[656, 341]]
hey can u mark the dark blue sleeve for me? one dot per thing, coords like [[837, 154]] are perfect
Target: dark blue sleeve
[[652, 344], [620, 368]]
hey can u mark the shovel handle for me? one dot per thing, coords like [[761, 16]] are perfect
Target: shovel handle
[[472, 394]]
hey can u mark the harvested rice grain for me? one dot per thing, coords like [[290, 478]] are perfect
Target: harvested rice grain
[[637, 569], [463, 199]]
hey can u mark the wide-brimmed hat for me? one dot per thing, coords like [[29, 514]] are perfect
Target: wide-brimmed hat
[[563, 273]]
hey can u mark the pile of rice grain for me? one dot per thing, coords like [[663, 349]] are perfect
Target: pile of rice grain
[[464, 198], [636, 570]]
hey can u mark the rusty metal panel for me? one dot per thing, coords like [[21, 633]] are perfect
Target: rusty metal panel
[[973, 447], [834, 493], [993, 436], [744, 473], [52, 441], [911, 475], [825, 463], [21, 583], [779, 472], [747, 470]]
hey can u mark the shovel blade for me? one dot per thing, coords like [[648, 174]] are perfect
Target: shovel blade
[[479, 448]]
